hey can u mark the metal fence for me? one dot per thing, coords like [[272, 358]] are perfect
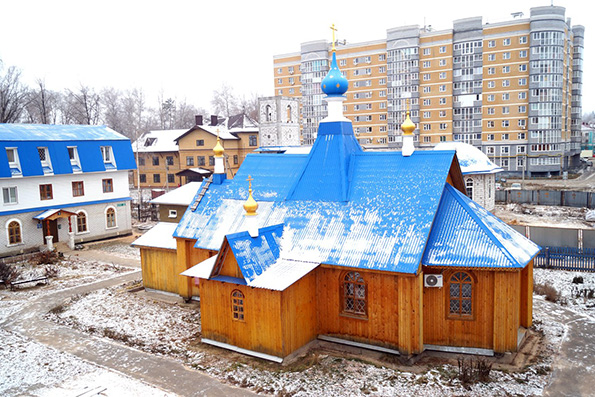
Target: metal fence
[[564, 198], [566, 258]]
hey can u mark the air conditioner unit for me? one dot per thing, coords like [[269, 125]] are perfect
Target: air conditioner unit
[[432, 280]]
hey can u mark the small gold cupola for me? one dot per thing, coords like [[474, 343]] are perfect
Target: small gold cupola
[[250, 205], [408, 127], [219, 153], [218, 149]]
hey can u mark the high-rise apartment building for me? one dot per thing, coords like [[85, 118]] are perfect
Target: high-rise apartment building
[[511, 88]]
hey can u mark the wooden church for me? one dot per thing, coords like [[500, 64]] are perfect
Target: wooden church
[[382, 250]]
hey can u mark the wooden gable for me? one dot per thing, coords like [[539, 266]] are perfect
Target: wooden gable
[[226, 264]]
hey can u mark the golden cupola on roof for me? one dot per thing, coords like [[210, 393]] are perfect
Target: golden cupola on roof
[[218, 149], [408, 126], [250, 206]]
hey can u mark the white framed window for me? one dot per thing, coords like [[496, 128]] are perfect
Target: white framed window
[[427, 102], [506, 83], [442, 101], [523, 54], [442, 88], [522, 123], [505, 110], [279, 81], [427, 89], [491, 70], [427, 115], [442, 75], [491, 110], [426, 77], [382, 105], [504, 137], [442, 62], [44, 158], [427, 127], [491, 43], [522, 81], [523, 40], [172, 214], [111, 220], [443, 126], [490, 149], [442, 49], [13, 161], [520, 149], [442, 113], [491, 84], [491, 98], [522, 109], [382, 57], [506, 55], [505, 69], [427, 51], [75, 162], [490, 124], [382, 117], [505, 123], [426, 64], [108, 157], [382, 82], [491, 57], [523, 67], [343, 62], [279, 70], [506, 42], [521, 135], [9, 195], [382, 69], [522, 95], [505, 96]]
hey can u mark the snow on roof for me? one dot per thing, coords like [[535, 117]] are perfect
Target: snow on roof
[[202, 269], [160, 236], [180, 196], [157, 141], [45, 132], [282, 274], [471, 159]]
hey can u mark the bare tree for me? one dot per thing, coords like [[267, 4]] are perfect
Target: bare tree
[[44, 105], [14, 96], [224, 102], [249, 106], [113, 112], [82, 106]]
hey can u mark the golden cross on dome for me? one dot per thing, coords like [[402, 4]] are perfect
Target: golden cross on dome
[[250, 182], [334, 30]]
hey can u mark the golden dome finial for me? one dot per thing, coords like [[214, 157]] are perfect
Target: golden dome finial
[[408, 126], [250, 205], [218, 149], [334, 30]]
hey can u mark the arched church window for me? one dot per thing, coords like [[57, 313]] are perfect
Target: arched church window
[[237, 305], [354, 294], [461, 294], [469, 187]]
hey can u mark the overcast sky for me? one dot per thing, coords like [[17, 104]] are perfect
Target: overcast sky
[[186, 49]]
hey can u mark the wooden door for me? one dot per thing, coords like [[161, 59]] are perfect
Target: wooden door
[[53, 230]]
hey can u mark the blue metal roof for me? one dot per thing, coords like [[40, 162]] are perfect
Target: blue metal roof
[[88, 148], [51, 132], [383, 225], [255, 255], [465, 234]]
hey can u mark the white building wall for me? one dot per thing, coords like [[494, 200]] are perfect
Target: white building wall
[[29, 205], [278, 127], [483, 190]]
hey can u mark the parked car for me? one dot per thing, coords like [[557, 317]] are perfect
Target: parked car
[[515, 186], [498, 186]]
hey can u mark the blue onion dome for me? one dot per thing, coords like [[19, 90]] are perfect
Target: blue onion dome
[[334, 84]]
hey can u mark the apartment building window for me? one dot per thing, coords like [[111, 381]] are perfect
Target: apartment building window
[[442, 113], [426, 64], [491, 43], [343, 62], [427, 127], [156, 178], [506, 55], [426, 115], [382, 82], [504, 137], [506, 42], [506, 83], [279, 92], [155, 160], [442, 138], [9, 195], [382, 129], [504, 163], [442, 88], [523, 81], [491, 70], [521, 136], [523, 40], [442, 101], [382, 57], [442, 49], [491, 110], [427, 51], [200, 142], [291, 81], [427, 89], [442, 75], [291, 69], [522, 95], [505, 96], [522, 123], [505, 69], [491, 57], [442, 62], [522, 109], [505, 123], [279, 81], [382, 105], [523, 67], [491, 98], [190, 161], [382, 69], [427, 139], [443, 126], [143, 178], [490, 149], [427, 102], [292, 91], [520, 161], [520, 149], [200, 160], [382, 93], [490, 124], [382, 117], [491, 84], [505, 110], [45, 192], [108, 185], [426, 77], [523, 54], [78, 189], [279, 70], [504, 150]]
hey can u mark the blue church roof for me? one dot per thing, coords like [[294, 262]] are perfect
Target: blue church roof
[[27, 138], [465, 234]]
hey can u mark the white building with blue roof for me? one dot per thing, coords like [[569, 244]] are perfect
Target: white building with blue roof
[[69, 182], [382, 250]]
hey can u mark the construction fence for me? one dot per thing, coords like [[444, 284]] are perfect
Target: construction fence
[[564, 198]]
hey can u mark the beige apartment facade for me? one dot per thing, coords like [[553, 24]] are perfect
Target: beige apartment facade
[[512, 89]]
